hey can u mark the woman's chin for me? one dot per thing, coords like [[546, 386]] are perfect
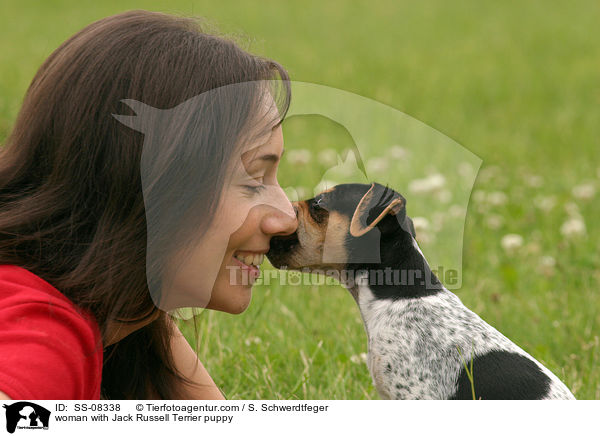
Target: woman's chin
[[235, 309], [239, 309], [233, 289], [233, 300]]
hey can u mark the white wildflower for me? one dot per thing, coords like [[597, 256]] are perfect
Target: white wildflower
[[573, 227], [397, 152], [494, 198], [534, 181], [359, 358], [327, 157], [431, 183], [298, 156], [456, 211], [494, 221], [377, 165], [425, 238], [545, 203], [497, 198], [465, 170], [437, 221], [511, 242], [444, 196], [422, 229], [421, 224], [572, 209], [252, 340], [533, 248], [547, 265], [478, 196], [482, 208], [584, 192], [488, 173]]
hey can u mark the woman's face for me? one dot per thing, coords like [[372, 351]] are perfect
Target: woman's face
[[217, 273]]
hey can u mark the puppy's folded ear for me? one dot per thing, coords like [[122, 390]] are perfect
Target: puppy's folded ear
[[409, 226], [381, 207]]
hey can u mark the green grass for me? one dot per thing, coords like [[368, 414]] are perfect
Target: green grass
[[516, 83]]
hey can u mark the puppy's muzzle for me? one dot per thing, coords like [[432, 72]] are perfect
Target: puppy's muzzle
[[280, 248]]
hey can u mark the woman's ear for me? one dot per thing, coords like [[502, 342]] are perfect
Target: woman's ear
[[379, 202]]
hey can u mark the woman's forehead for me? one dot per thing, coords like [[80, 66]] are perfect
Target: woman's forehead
[[265, 119], [262, 125], [269, 149], [259, 135]]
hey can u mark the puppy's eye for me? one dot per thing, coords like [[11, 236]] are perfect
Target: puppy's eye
[[316, 204], [316, 209]]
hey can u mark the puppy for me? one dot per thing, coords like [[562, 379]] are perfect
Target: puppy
[[423, 343]]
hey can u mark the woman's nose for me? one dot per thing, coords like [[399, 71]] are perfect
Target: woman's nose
[[277, 222], [281, 219]]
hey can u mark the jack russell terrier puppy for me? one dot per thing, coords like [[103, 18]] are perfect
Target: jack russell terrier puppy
[[423, 343]]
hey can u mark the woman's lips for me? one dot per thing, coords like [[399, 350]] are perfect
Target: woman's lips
[[253, 271]]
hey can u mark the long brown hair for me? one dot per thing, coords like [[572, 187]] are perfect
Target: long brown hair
[[71, 203]]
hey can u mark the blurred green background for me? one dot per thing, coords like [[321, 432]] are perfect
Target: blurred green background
[[516, 83]]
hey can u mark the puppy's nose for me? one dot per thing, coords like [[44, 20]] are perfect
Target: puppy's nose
[[283, 244]]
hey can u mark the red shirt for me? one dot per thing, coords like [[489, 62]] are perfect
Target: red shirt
[[49, 348]]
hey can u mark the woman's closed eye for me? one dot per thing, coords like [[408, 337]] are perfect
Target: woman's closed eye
[[255, 188]]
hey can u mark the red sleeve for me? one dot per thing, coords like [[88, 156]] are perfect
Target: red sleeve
[[48, 349]]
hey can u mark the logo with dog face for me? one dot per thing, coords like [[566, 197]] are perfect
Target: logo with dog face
[[26, 415], [396, 156]]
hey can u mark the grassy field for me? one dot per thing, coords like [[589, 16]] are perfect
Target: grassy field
[[515, 83]]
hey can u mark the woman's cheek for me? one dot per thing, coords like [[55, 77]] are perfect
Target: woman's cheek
[[244, 206], [230, 214]]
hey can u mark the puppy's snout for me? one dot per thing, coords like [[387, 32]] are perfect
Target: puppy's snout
[[283, 244], [280, 248]]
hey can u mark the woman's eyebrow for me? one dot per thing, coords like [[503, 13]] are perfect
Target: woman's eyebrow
[[271, 157]]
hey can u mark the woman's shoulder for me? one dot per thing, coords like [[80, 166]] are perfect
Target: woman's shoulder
[[40, 324], [17, 282], [21, 287]]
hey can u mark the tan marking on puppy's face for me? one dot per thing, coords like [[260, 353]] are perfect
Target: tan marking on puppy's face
[[323, 239], [321, 242], [310, 239], [334, 251]]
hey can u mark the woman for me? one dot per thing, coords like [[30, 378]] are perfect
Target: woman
[[140, 176]]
